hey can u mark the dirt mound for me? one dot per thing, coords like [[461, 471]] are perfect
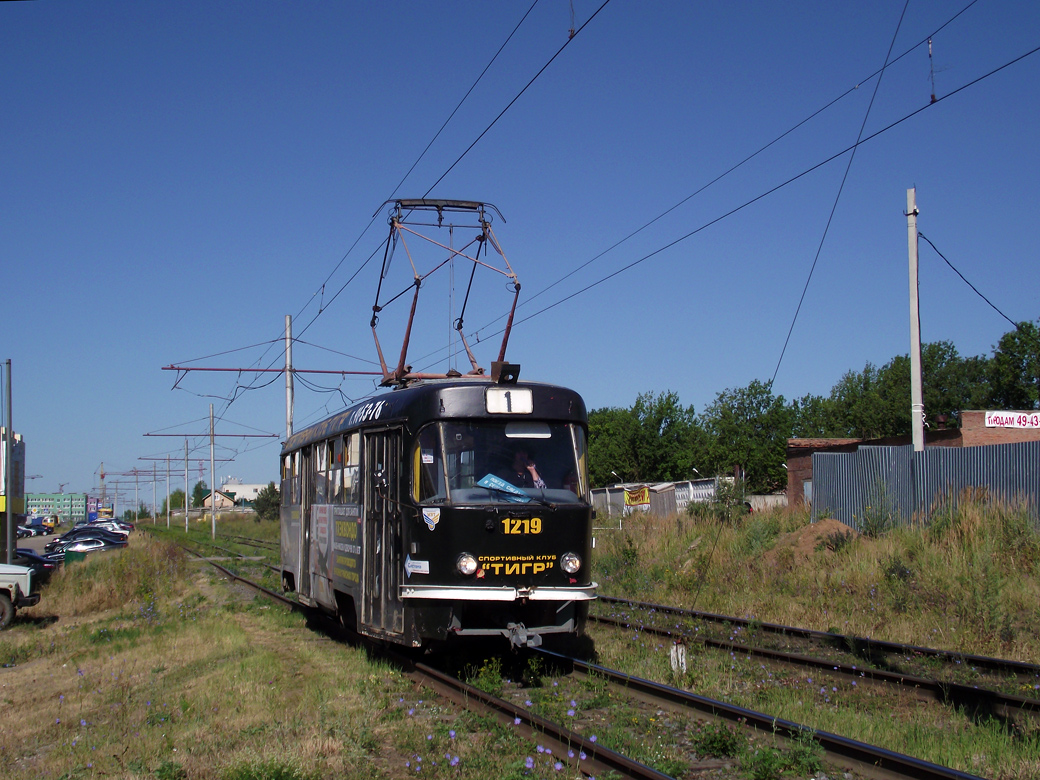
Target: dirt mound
[[803, 543]]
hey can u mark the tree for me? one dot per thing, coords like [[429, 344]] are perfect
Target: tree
[[665, 434], [612, 436], [176, 501], [748, 428], [812, 417], [950, 384], [1015, 369], [860, 406], [267, 503], [199, 494], [656, 440]]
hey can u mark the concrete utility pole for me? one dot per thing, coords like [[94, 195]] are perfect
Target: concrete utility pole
[[212, 479], [916, 383], [9, 541], [288, 377], [185, 484]]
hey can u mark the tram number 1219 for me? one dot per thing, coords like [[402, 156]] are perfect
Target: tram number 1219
[[522, 525]]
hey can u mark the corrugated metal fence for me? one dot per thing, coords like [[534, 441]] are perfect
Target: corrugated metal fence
[[896, 484], [666, 498]]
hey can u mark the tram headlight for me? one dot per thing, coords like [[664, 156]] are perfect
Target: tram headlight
[[466, 564], [570, 563]]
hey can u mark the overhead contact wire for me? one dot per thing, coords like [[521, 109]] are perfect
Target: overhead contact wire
[[323, 305], [837, 197], [774, 189], [987, 300]]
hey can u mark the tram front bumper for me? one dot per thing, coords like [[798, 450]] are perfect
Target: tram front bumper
[[498, 593]]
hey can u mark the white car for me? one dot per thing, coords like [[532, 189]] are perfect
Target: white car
[[16, 585]]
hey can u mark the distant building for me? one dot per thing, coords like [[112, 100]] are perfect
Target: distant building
[[243, 494], [224, 500], [69, 507], [978, 428]]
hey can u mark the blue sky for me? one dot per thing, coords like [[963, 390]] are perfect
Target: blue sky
[[178, 177]]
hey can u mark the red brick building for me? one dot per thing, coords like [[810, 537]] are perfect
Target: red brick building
[[973, 433]]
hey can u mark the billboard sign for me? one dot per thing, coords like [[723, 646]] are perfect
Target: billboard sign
[[1026, 420]]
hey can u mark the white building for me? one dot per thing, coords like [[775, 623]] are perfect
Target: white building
[[241, 492]]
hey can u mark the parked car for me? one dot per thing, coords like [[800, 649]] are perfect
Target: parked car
[[40, 529], [42, 567], [93, 530], [23, 533], [74, 536], [89, 545], [112, 525], [16, 591]]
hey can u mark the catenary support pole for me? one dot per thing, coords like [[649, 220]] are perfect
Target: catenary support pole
[[213, 480], [185, 484], [916, 384], [288, 377]]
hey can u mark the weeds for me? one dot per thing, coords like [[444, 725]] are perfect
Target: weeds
[[488, 677], [836, 542], [719, 740]]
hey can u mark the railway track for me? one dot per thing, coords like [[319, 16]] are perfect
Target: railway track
[[982, 701], [869, 649], [864, 759], [262, 543], [573, 748], [585, 754]]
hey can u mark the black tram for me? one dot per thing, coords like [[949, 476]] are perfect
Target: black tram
[[448, 508]]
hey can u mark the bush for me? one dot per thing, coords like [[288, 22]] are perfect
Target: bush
[[267, 504]]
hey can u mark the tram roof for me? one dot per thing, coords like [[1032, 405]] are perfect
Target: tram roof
[[439, 399]]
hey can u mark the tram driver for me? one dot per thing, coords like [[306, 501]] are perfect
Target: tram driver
[[523, 472]]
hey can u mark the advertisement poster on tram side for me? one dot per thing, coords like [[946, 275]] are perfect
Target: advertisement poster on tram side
[[345, 564]]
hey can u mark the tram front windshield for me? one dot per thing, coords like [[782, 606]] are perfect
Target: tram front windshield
[[500, 462]]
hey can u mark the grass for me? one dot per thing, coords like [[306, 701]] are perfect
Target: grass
[[968, 583], [139, 663]]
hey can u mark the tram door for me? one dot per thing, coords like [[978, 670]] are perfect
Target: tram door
[[382, 609], [305, 478]]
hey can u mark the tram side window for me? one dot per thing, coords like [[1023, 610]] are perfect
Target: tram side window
[[297, 479], [428, 481], [286, 486], [321, 472], [351, 466], [336, 470]]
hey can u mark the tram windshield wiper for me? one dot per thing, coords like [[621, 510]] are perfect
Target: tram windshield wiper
[[530, 499], [511, 492]]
